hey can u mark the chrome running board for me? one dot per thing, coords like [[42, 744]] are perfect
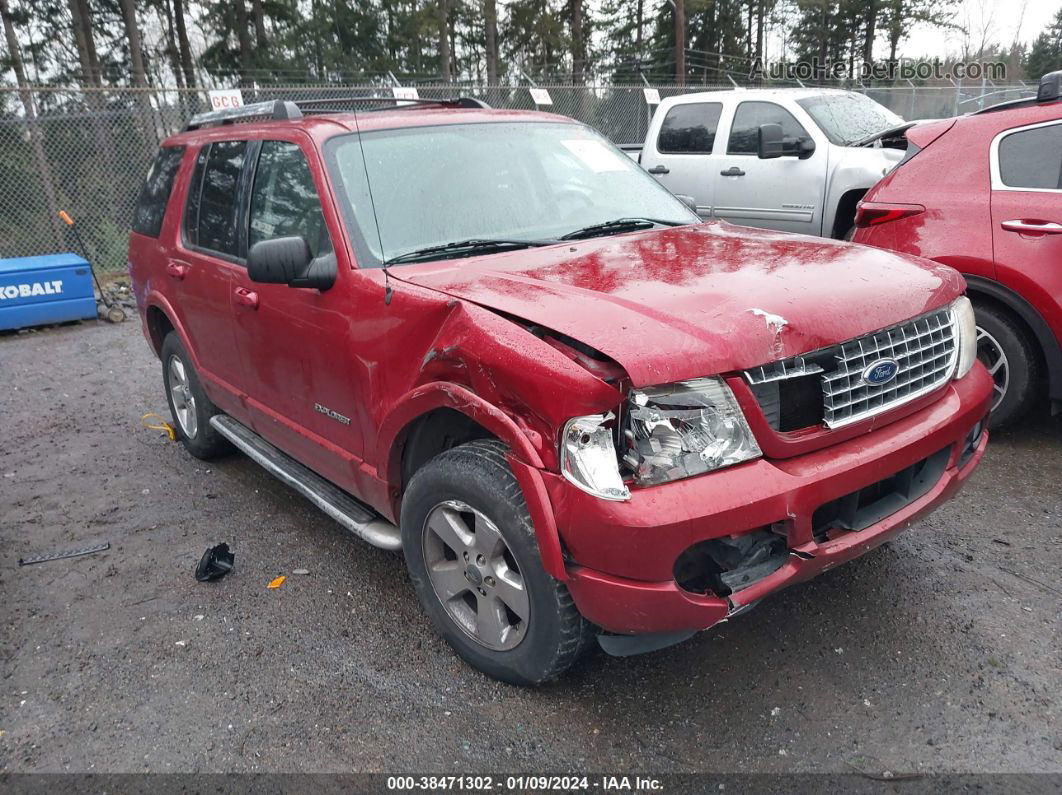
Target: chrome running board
[[359, 519]]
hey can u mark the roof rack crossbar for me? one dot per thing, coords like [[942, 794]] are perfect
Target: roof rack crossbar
[[278, 109], [322, 105]]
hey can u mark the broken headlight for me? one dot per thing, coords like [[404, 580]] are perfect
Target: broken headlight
[[588, 456], [683, 429]]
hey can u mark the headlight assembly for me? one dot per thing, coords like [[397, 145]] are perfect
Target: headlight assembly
[[683, 429], [966, 332]]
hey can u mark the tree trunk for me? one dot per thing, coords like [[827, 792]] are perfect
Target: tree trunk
[[182, 43], [444, 40], [680, 42], [132, 34], [575, 11], [259, 26], [171, 44], [490, 22], [243, 36], [36, 143], [870, 21], [86, 47]]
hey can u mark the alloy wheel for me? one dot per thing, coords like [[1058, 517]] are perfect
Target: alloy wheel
[[183, 399], [475, 576], [990, 354]]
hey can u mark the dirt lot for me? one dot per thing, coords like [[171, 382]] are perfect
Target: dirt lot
[[940, 652]]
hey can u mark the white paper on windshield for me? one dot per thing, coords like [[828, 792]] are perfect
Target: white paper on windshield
[[595, 155]]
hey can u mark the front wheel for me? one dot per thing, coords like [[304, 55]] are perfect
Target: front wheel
[[470, 548]]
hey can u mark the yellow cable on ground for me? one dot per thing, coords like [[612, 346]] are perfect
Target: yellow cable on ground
[[162, 425]]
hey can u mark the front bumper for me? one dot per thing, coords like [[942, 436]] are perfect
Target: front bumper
[[624, 553]]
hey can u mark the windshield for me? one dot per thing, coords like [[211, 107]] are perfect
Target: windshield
[[849, 117], [536, 181]]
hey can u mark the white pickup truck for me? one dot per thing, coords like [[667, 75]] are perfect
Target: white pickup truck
[[796, 160]]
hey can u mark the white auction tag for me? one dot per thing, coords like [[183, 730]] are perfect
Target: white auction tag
[[652, 96], [540, 96], [405, 92], [225, 98]]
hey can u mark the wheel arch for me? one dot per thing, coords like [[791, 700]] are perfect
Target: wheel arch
[[438, 416], [982, 290]]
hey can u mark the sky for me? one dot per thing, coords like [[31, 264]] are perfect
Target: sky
[[1002, 21]]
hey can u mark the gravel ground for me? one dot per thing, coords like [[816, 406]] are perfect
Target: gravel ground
[[938, 653]]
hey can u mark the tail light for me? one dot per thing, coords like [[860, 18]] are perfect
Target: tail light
[[875, 213]]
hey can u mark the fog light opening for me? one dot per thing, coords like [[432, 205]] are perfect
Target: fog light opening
[[724, 566]]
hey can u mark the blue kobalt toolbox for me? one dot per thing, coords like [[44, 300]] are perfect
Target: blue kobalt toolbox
[[35, 291]]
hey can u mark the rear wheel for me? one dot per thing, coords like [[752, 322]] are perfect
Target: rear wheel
[[1006, 351], [470, 548], [189, 404]]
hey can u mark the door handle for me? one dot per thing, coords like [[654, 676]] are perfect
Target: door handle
[[178, 270], [659, 170], [1032, 227], [733, 171], [247, 298]]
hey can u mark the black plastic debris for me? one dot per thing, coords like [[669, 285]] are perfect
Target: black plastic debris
[[215, 563], [74, 553]]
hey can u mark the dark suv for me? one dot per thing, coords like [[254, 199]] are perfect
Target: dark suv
[[488, 339]]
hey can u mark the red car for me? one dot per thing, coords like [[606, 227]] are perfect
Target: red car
[[489, 339], [983, 194]]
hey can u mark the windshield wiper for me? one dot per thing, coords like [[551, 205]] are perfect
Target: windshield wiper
[[465, 248], [619, 225]]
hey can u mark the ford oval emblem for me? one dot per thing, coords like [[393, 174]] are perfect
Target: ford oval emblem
[[881, 372]]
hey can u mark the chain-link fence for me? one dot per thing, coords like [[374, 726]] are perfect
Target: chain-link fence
[[87, 152]]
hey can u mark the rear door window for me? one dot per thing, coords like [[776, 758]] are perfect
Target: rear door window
[[210, 222], [1032, 158], [155, 195], [689, 129], [284, 202], [745, 131]]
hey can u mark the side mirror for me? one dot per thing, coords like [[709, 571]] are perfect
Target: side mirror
[[770, 142], [689, 201], [287, 260]]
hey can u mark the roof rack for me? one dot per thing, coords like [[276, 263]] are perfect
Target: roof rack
[[286, 110], [277, 109]]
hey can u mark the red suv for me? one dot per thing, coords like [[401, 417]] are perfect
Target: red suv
[[488, 339], [983, 193]]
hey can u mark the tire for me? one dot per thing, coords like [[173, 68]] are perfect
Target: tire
[[190, 407], [469, 496], [1005, 348]]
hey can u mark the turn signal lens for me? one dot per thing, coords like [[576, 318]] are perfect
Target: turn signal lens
[[966, 330], [588, 457]]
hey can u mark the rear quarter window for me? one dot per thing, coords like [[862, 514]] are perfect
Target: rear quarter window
[[155, 195]]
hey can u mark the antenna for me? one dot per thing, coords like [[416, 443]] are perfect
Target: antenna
[[372, 203]]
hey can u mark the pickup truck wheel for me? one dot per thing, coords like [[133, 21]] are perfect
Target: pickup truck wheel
[[471, 552], [1005, 350], [189, 405]]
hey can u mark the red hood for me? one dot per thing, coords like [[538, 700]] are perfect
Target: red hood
[[679, 303]]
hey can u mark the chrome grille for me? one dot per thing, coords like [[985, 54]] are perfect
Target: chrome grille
[[925, 349]]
